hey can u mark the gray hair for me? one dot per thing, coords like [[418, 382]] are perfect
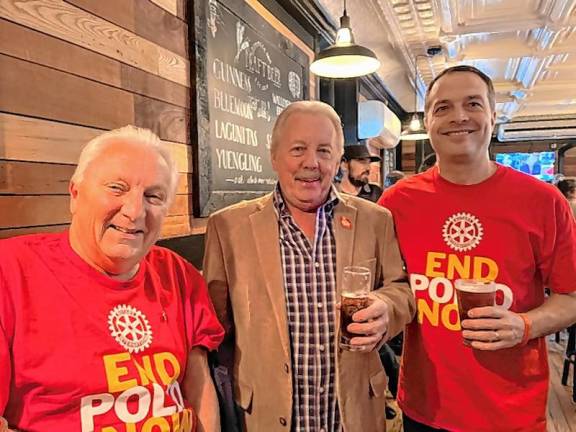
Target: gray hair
[[132, 134], [307, 107]]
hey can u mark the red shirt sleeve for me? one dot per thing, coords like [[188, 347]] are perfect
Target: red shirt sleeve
[[5, 370], [206, 329], [386, 198], [557, 260], [5, 360]]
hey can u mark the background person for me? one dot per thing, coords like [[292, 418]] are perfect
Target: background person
[[355, 168]]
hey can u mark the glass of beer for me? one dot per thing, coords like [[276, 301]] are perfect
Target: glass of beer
[[473, 293], [354, 297]]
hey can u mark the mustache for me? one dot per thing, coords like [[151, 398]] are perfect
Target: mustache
[[307, 175]]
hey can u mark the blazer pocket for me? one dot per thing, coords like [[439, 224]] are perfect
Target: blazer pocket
[[378, 383], [244, 398]]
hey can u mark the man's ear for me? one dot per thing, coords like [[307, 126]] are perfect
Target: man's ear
[[344, 165], [73, 190]]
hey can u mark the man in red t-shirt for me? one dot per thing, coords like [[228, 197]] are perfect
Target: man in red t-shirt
[[468, 217], [100, 330]]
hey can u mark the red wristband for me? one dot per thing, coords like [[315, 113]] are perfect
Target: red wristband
[[527, 328]]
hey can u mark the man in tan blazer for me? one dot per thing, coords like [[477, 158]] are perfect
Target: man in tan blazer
[[273, 267]]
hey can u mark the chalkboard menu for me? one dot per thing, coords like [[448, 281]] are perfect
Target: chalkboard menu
[[246, 74]]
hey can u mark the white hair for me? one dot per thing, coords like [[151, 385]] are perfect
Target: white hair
[[307, 107], [133, 134]]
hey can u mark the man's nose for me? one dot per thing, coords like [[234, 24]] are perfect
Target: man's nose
[[133, 206], [460, 114], [310, 159]]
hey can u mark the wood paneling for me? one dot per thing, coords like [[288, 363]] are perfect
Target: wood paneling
[[72, 24], [168, 5], [153, 86], [35, 140], [31, 89], [144, 18], [39, 91], [27, 44], [167, 121], [30, 178]]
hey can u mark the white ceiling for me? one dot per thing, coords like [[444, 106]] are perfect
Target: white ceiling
[[527, 47]]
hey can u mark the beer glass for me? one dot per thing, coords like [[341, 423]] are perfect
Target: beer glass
[[473, 293], [354, 297]]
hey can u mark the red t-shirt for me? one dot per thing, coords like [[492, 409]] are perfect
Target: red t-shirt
[[80, 351], [511, 228]]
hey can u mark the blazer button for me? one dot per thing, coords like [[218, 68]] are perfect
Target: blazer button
[[286, 368], [282, 421]]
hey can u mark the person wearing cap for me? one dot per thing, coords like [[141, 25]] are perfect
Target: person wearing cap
[[355, 168]]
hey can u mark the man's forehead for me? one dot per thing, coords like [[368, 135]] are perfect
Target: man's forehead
[[458, 85], [127, 156]]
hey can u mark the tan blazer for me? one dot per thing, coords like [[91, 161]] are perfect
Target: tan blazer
[[243, 269]]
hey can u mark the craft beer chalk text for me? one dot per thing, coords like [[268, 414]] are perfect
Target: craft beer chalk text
[[233, 160], [233, 105], [231, 75]]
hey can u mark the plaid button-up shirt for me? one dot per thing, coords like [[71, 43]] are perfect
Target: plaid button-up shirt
[[310, 288]]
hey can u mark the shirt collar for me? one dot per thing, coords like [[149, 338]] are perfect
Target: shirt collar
[[282, 209]]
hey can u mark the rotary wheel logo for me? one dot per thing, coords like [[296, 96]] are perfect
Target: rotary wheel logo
[[462, 232], [130, 328]]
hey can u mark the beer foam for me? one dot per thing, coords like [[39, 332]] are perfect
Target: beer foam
[[475, 286], [354, 294]]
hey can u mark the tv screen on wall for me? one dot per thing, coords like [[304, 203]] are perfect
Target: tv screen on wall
[[537, 164]]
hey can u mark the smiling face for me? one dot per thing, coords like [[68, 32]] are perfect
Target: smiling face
[[459, 118], [306, 160], [119, 206]]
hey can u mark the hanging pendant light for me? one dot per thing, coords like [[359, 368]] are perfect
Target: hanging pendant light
[[344, 59], [415, 129]]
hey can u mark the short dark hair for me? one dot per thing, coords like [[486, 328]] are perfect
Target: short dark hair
[[463, 68], [567, 186], [393, 177]]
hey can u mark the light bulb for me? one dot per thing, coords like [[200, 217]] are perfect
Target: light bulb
[[343, 36], [415, 123]]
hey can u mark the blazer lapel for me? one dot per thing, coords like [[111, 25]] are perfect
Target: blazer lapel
[[264, 223], [344, 230]]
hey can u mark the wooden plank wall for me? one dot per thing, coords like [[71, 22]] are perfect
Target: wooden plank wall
[[71, 69]]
